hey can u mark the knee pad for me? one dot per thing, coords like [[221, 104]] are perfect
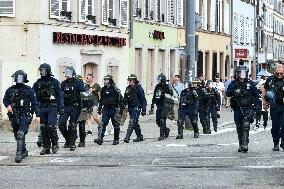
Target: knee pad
[[20, 135], [246, 126]]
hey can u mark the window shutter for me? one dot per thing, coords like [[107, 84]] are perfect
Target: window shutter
[[252, 31], [179, 9], [226, 17], [242, 25], [247, 31], [213, 15], [54, 8], [220, 13], [105, 12], [124, 13], [135, 7], [146, 8], [235, 29], [7, 8], [170, 11], [204, 14], [82, 10], [158, 12]]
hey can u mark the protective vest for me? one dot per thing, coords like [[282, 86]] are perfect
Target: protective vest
[[19, 99], [242, 95], [277, 86], [110, 96], [70, 93], [188, 97], [212, 96], [131, 95], [203, 97], [46, 92]]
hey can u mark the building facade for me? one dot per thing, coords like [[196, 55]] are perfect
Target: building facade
[[154, 47], [90, 35], [270, 25], [214, 52], [244, 32]]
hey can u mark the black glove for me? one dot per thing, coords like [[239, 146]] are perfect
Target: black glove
[[121, 111], [143, 113], [61, 110], [99, 111], [218, 115]]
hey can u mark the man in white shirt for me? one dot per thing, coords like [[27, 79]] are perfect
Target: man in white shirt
[[221, 88]]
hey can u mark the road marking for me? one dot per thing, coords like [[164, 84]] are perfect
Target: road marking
[[64, 160], [177, 145], [235, 143], [3, 157]]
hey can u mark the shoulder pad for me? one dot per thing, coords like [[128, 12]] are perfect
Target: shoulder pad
[[116, 89]]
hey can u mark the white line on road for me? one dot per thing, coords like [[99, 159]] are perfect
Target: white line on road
[[3, 157], [64, 160]]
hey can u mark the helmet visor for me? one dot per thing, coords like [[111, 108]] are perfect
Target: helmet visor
[[43, 72], [19, 79], [242, 74], [68, 72]]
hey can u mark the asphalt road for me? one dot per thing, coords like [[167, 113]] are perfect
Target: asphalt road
[[211, 161]]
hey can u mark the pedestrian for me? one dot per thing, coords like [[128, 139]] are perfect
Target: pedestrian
[[188, 106], [263, 112], [220, 87], [214, 104], [134, 99], [244, 101], [177, 84], [111, 99], [162, 94], [226, 85], [71, 87], [273, 95], [50, 98], [20, 101]]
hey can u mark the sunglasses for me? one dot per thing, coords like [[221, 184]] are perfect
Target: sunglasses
[[278, 73]]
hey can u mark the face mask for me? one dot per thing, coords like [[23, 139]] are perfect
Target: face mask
[[43, 72], [106, 82]]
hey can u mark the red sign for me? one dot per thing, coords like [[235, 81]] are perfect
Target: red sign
[[83, 39], [241, 53]]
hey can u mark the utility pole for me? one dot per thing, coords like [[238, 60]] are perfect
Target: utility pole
[[190, 39], [130, 22], [253, 66], [232, 35]]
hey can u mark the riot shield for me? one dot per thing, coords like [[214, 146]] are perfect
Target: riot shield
[[87, 104]]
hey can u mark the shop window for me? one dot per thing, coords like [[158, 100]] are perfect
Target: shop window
[[150, 70]]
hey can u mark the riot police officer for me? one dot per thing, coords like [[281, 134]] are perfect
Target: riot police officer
[[214, 103], [134, 98], [188, 106], [50, 98], [273, 95], [110, 104], [21, 103], [161, 97], [204, 107], [71, 88], [244, 101]]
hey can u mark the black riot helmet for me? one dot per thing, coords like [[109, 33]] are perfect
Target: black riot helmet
[[133, 77], [44, 70], [69, 72], [20, 77], [108, 79], [241, 72], [195, 83], [161, 78]]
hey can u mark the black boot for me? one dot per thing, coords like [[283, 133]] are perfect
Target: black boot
[[82, 133], [65, 134], [54, 138], [180, 130], [276, 146], [167, 132], [45, 140], [72, 136], [138, 134], [99, 140], [195, 129], [129, 130], [282, 143], [39, 138], [245, 137], [215, 123], [116, 135], [20, 144], [162, 129], [239, 130]]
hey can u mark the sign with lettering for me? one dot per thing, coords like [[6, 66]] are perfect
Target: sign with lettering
[[249, 1], [83, 39], [241, 53], [157, 35]]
